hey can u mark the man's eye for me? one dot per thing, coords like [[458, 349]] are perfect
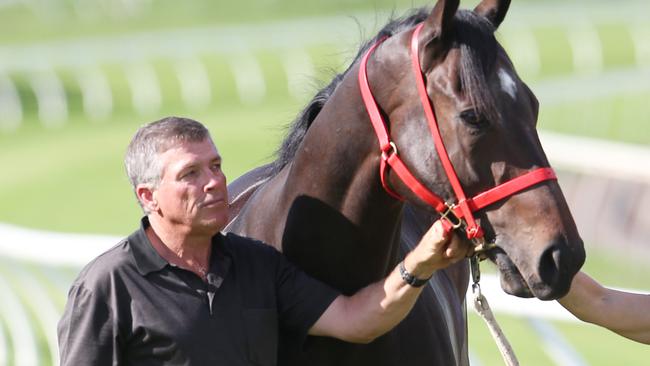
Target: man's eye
[[216, 166], [189, 174]]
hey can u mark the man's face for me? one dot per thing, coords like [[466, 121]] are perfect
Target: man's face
[[192, 192]]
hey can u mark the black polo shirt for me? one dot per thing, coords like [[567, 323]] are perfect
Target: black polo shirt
[[131, 307]]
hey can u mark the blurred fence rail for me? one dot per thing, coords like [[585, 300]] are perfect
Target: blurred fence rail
[[205, 66]]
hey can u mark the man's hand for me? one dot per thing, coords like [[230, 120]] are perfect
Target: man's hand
[[377, 308], [437, 249]]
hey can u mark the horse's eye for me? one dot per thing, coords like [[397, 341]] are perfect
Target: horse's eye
[[474, 119]]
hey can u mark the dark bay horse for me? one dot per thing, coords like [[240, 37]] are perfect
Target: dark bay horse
[[323, 204]]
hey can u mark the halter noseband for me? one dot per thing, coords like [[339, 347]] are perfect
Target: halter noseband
[[463, 210]]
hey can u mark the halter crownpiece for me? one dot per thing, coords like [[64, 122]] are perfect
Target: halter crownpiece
[[464, 208]]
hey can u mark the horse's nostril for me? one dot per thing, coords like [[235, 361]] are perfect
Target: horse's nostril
[[557, 265], [550, 265]]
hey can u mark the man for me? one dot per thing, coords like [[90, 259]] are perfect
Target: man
[[178, 292]]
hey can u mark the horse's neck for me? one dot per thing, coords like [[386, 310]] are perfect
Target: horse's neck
[[337, 213], [341, 153]]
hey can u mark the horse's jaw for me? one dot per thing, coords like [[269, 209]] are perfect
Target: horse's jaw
[[512, 282]]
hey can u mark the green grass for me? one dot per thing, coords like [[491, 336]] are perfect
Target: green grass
[[618, 48], [595, 345], [621, 117], [617, 269], [600, 347]]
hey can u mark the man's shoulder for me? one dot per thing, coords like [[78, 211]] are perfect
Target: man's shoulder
[[249, 248], [101, 273], [235, 242]]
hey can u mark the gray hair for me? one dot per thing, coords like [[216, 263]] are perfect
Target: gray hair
[[141, 160]]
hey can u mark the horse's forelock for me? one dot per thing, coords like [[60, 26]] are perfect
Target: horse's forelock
[[474, 36]]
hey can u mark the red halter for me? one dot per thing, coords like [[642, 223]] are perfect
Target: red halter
[[465, 207]]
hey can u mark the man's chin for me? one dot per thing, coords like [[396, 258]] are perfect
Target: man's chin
[[213, 224]]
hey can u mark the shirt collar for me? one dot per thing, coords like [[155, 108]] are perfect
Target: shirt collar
[[148, 260], [146, 257]]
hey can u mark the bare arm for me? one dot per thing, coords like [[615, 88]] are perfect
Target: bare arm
[[377, 308], [625, 313]]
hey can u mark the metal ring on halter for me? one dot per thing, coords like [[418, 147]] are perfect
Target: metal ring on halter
[[480, 245], [385, 154], [446, 215]]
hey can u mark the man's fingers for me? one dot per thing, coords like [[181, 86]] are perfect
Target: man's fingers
[[455, 249], [444, 245], [451, 252], [443, 228], [439, 232], [458, 249], [446, 226]]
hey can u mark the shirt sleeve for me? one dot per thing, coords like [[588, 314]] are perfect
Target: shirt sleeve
[[301, 299], [87, 331]]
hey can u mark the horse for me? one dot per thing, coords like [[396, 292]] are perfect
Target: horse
[[333, 204]]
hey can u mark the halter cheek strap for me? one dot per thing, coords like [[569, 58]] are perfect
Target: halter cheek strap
[[464, 208]]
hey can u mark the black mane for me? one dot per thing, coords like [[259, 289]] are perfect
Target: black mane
[[474, 36]]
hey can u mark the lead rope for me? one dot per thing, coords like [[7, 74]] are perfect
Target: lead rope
[[483, 309]]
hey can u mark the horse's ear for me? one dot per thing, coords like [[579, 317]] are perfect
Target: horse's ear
[[440, 19], [436, 26], [493, 10]]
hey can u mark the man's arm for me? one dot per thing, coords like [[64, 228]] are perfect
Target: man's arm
[[87, 332], [621, 312], [380, 306]]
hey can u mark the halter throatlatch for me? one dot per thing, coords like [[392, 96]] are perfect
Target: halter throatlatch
[[460, 213]]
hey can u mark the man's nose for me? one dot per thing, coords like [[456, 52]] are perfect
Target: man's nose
[[214, 179]]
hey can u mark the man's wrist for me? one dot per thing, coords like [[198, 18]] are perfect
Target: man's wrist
[[413, 279], [419, 263]]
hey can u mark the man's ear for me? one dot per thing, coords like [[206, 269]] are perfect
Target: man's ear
[[145, 194]]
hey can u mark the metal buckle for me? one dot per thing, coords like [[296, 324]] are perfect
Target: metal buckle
[[480, 245], [450, 211], [385, 154]]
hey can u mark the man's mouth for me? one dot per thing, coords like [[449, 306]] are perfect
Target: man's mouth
[[212, 203]]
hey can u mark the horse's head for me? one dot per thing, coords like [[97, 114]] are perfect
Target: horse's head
[[486, 117]]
